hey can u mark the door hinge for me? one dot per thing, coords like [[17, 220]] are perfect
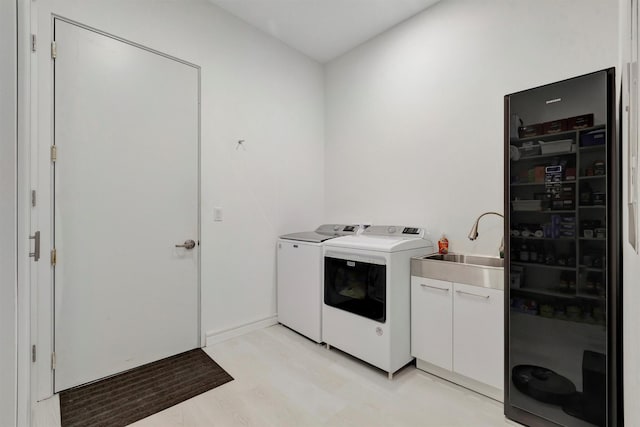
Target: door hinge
[[33, 353], [54, 153], [53, 361], [54, 50], [33, 198], [33, 43], [54, 256]]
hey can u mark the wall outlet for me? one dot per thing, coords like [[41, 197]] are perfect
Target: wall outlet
[[217, 214]]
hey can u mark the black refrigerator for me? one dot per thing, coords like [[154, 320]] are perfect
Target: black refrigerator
[[563, 257]]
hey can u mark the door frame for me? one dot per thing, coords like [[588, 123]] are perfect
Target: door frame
[[42, 278], [26, 143]]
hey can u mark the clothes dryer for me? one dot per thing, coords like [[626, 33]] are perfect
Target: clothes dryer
[[366, 298]]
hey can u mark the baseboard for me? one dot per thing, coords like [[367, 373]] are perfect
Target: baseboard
[[466, 382], [214, 337]]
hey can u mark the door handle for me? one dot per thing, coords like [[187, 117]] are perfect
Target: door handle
[[188, 244], [473, 295], [434, 287], [36, 247]]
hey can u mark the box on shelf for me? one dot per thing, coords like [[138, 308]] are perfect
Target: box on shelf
[[598, 198], [553, 173], [517, 276], [596, 137], [555, 147], [530, 130], [563, 205], [568, 191], [527, 205], [554, 126], [529, 149], [580, 122], [599, 168]]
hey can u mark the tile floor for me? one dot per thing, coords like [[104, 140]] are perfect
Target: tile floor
[[283, 379]]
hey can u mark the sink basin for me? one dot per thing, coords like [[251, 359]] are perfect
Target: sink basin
[[468, 259], [474, 270]]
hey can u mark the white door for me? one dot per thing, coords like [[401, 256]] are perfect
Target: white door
[[126, 192], [432, 321], [478, 333]]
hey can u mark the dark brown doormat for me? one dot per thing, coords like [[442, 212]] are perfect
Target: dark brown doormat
[[128, 397]]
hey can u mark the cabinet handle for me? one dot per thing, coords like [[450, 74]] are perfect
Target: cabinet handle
[[434, 287], [474, 295]]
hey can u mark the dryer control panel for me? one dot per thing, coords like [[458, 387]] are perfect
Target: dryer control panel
[[400, 231], [411, 230]]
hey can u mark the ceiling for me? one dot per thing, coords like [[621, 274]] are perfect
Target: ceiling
[[323, 29]]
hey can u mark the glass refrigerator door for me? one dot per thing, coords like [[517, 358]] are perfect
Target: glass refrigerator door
[[558, 198]]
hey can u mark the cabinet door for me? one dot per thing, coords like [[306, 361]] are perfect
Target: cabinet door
[[299, 288], [478, 334], [431, 321]]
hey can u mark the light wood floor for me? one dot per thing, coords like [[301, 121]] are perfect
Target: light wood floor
[[282, 379]]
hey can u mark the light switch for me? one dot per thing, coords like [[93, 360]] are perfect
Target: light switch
[[217, 214]]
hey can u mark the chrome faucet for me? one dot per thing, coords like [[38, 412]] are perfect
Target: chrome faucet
[[473, 234]]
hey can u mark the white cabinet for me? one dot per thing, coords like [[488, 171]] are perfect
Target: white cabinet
[[431, 321], [457, 333], [300, 287], [478, 333]]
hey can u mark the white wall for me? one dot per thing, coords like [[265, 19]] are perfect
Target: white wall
[[8, 115], [630, 259], [253, 88], [414, 129], [414, 118]]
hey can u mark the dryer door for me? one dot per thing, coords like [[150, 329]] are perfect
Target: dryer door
[[357, 287]]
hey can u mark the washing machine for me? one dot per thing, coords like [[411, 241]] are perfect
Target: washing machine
[[299, 277], [366, 298]]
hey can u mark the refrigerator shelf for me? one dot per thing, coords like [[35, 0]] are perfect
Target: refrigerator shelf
[[592, 148], [547, 211], [547, 292], [543, 156], [591, 269], [557, 135], [589, 296], [533, 184], [551, 239], [550, 322], [552, 267], [592, 177]]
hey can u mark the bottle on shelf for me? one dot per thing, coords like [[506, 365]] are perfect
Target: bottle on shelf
[[541, 253], [533, 253], [443, 245], [585, 195], [524, 252]]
